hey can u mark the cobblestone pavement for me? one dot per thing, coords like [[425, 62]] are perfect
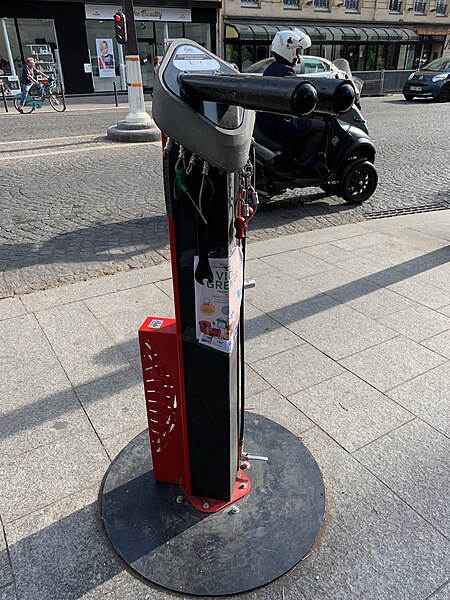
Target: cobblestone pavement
[[75, 205]]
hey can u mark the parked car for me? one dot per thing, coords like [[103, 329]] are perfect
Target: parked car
[[432, 81], [308, 66]]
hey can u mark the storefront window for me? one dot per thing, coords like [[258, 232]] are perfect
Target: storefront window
[[5, 63], [231, 53], [36, 32], [410, 57], [247, 58], [199, 32], [107, 59]]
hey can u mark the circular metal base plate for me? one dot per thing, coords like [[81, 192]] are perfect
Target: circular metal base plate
[[171, 544]]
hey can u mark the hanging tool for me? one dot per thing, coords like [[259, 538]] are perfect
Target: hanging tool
[[203, 270]]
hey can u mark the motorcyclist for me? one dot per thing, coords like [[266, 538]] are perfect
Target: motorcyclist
[[304, 135]]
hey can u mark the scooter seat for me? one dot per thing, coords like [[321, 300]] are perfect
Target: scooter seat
[[266, 141]]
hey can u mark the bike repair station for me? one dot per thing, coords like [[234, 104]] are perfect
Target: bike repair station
[[212, 500]]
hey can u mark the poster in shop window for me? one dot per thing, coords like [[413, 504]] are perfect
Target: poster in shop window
[[218, 303], [105, 57]]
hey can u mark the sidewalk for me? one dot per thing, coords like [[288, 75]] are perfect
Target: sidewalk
[[348, 346]]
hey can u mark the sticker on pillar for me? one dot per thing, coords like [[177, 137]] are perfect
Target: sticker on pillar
[[218, 303]]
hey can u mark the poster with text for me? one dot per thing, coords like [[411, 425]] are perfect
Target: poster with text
[[218, 303], [105, 57]]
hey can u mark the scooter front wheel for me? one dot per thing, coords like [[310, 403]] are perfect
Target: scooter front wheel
[[26, 110], [358, 182]]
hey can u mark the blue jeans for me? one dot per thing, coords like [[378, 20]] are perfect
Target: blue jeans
[[25, 89]]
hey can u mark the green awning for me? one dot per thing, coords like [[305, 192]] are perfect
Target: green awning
[[320, 34]]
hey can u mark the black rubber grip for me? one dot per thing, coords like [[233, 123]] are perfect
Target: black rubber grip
[[283, 95]]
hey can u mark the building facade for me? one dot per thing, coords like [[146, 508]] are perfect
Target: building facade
[[370, 34], [76, 39]]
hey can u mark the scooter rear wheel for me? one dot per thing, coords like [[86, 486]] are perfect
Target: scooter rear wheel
[[359, 182], [26, 110]]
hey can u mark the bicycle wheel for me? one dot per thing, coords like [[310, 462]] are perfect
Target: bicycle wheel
[[57, 102], [26, 110]]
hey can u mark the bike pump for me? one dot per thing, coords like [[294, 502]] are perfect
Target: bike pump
[[196, 514]]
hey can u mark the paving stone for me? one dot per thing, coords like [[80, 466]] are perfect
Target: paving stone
[[62, 551], [330, 252], [11, 307], [297, 263], [439, 343], [296, 369], [97, 286], [339, 331], [374, 273], [350, 411], [254, 383], [114, 403], [48, 473], [372, 545], [139, 297], [25, 380], [359, 294], [365, 240], [264, 336], [443, 593], [427, 397], [256, 267], [38, 421], [8, 593], [115, 443], [302, 240], [413, 462], [439, 276], [277, 290], [166, 286], [422, 292], [391, 363], [413, 237], [6, 575], [123, 329], [417, 322], [81, 344], [272, 405]]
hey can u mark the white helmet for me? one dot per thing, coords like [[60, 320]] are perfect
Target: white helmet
[[289, 44]]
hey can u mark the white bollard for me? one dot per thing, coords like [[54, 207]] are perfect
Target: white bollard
[[136, 100]]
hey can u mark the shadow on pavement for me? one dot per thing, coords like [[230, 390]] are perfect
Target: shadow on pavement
[[33, 414]]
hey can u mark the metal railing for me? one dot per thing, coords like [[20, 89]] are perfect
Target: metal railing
[[395, 6], [378, 83], [322, 4], [419, 7], [441, 9], [352, 5]]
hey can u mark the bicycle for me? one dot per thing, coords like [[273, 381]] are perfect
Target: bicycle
[[34, 101]]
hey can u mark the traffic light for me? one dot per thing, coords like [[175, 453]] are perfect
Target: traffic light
[[120, 27]]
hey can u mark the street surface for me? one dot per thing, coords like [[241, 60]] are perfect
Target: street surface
[[75, 205]]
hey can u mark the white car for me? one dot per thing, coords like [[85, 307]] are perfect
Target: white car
[[308, 66]]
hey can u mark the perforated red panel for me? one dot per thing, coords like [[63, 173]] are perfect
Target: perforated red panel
[[158, 345]]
